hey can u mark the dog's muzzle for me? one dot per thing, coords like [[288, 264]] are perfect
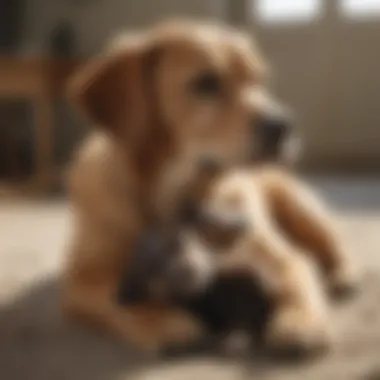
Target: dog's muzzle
[[274, 137]]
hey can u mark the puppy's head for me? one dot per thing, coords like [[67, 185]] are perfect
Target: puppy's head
[[187, 90], [165, 267]]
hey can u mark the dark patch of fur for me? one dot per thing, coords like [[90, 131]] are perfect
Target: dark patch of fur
[[233, 302]]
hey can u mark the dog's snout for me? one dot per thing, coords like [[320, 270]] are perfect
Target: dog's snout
[[274, 127]]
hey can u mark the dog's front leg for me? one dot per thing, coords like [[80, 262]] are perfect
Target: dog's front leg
[[304, 219], [289, 276], [90, 284], [301, 320]]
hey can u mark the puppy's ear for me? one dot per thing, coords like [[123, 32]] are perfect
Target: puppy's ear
[[115, 91]]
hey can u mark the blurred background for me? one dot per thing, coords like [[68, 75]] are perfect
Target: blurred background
[[326, 58], [323, 53]]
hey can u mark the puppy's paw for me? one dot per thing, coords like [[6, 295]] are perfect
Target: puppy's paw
[[293, 334], [343, 282]]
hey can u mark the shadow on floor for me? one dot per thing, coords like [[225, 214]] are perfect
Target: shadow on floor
[[349, 194], [38, 344]]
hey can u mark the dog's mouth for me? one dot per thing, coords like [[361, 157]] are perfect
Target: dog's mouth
[[283, 151], [291, 149]]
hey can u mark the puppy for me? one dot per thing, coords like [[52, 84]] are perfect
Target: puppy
[[159, 100], [163, 269], [218, 267]]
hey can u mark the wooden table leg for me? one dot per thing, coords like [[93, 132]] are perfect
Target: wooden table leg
[[44, 142]]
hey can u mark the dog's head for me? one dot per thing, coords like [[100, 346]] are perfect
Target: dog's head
[[185, 90]]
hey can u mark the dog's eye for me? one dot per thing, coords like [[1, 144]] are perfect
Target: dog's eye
[[207, 84]]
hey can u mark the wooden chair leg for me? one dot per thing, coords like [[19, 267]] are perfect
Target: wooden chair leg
[[43, 142]]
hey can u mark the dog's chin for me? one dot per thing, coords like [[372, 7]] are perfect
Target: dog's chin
[[292, 149], [287, 153]]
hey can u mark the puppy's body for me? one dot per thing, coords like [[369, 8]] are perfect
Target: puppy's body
[[162, 272], [160, 103]]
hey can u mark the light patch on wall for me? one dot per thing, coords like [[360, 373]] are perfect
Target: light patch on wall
[[286, 11], [360, 8]]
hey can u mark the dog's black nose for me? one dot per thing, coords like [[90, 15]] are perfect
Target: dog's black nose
[[273, 128]]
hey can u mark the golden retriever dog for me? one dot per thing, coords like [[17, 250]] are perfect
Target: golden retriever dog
[[163, 100]]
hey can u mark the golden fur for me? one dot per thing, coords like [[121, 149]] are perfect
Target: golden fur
[[151, 134]]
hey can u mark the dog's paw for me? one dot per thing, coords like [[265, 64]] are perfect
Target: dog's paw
[[295, 335]]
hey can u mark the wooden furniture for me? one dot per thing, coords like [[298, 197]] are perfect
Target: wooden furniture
[[40, 82]]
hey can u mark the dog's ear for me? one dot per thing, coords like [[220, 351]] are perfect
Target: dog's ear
[[115, 91]]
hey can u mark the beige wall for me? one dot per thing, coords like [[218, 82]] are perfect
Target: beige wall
[[98, 19], [329, 72]]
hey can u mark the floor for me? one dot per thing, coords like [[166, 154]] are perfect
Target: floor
[[37, 344]]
